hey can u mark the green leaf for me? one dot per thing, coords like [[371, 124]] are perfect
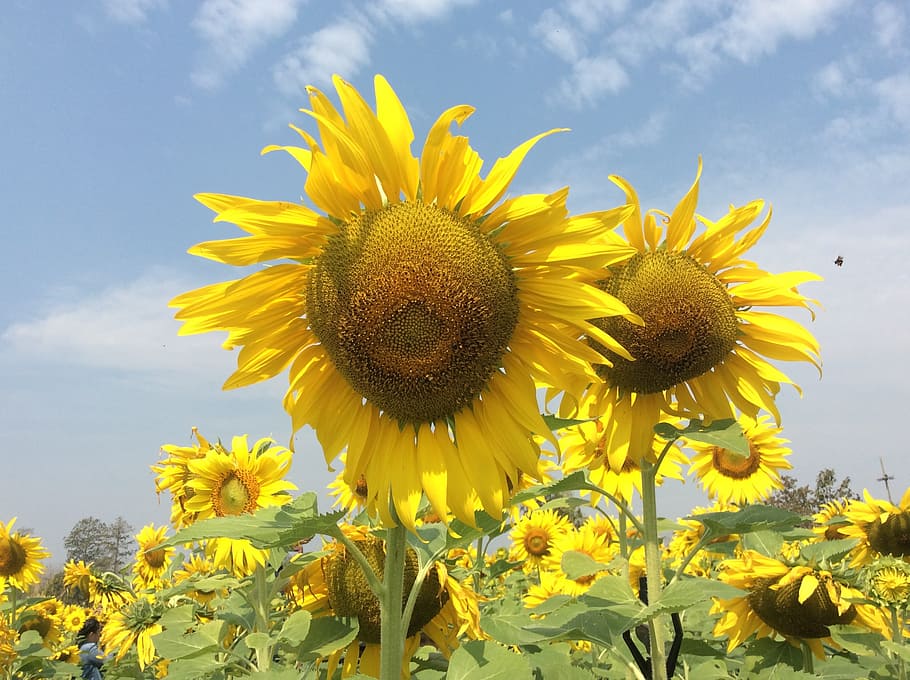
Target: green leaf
[[31, 644], [726, 433], [574, 482], [750, 518], [174, 643], [259, 642], [856, 640], [686, 592], [555, 661], [827, 551], [555, 423], [328, 634], [577, 564], [296, 627], [277, 674], [192, 668], [764, 541], [485, 660]]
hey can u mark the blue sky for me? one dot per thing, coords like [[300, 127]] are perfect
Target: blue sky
[[115, 112]]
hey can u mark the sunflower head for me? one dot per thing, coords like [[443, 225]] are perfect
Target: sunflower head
[[20, 558], [349, 592], [888, 581], [891, 536], [786, 608], [690, 322]]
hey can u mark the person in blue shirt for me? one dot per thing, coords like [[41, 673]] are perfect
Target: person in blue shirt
[[90, 655]]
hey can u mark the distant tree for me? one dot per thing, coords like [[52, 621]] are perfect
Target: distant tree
[[123, 543], [806, 500], [108, 546]]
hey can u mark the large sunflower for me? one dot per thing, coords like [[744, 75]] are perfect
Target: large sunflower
[[445, 612], [797, 602], [731, 478], [417, 310], [705, 344], [20, 558]]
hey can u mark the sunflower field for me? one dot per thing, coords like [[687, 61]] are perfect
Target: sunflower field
[[504, 389]]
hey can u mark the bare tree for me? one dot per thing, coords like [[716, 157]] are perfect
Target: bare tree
[[806, 500], [109, 546]]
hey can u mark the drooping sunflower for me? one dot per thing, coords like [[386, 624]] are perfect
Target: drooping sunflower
[[586, 447], [534, 535], [134, 625], [20, 558], [46, 618], [731, 478], [446, 610], [828, 522], [172, 474], [417, 310], [797, 602], [881, 527], [77, 575], [151, 561], [705, 346]]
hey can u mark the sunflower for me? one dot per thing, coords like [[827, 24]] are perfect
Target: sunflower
[[353, 498], [335, 585], [74, 616], [46, 618], [172, 474], [151, 561], [587, 541], [881, 528], [888, 581], [193, 568], [8, 639], [417, 310], [585, 447], [684, 540], [731, 478], [797, 602], [828, 522], [20, 556], [78, 576], [533, 536], [704, 347], [133, 626]]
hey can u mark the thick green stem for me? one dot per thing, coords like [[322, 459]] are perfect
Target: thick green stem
[[262, 608], [393, 626], [897, 635], [653, 567], [808, 658]]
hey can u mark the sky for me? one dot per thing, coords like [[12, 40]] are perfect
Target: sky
[[115, 112]]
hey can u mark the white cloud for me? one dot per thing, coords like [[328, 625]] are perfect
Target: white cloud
[[890, 25], [894, 94], [591, 78], [591, 14], [233, 29], [128, 328], [342, 47], [558, 36], [131, 11]]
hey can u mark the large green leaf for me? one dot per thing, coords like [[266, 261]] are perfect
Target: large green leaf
[[764, 541], [326, 635], [486, 660], [175, 643], [750, 518], [193, 668], [296, 627], [577, 564], [827, 551], [573, 482], [726, 433]]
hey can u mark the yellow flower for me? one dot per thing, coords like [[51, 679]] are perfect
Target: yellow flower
[[172, 475], [352, 498], [829, 521], [46, 618], [888, 581], [133, 626], [196, 567], [418, 310], [78, 576], [151, 561], [585, 540], [446, 610], [584, 446], [799, 603], [20, 556], [533, 536], [705, 344], [73, 617], [881, 527], [731, 478]]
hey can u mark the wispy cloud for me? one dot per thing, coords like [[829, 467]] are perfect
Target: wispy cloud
[[343, 45], [127, 328], [232, 30], [890, 26], [131, 11]]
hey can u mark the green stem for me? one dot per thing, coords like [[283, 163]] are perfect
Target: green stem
[[623, 537], [898, 634], [263, 604], [393, 626], [624, 510], [702, 542], [653, 567], [808, 658]]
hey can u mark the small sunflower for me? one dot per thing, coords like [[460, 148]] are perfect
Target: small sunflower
[[8, 639], [586, 447], [20, 558], [534, 535], [78, 576], [732, 478], [151, 561], [172, 474], [196, 567], [46, 618], [881, 527], [797, 602], [683, 541], [829, 521], [73, 617], [888, 581], [446, 610], [353, 498], [705, 343], [584, 540], [418, 310], [133, 626]]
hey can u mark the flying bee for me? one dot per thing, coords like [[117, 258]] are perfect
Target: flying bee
[[839, 261]]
